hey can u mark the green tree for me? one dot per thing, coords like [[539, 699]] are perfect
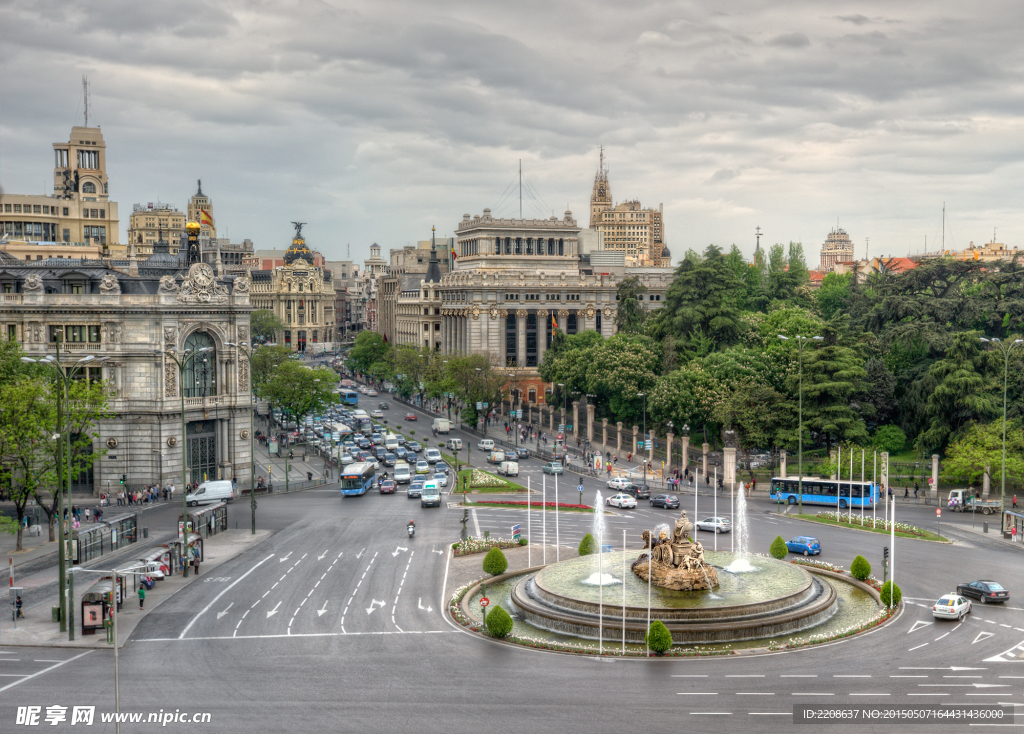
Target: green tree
[[659, 639], [630, 315], [891, 594], [495, 562], [860, 568], [981, 447], [265, 361], [369, 350], [778, 548], [265, 325], [300, 391], [889, 438], [833, 296], [588, 546], [499, 623], [832, 376]]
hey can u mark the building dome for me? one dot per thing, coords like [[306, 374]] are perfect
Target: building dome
[[666, 253], [298, 250]]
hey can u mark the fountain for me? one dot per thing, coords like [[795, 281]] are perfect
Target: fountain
[[739, 528], [677, 563]]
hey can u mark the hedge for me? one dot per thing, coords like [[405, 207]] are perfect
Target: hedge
[[499, 623], [495, 562]]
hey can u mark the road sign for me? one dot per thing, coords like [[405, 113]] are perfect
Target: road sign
[[515, 532], [479, 405], [938, 512], [568, 427], [647, 444], [484, 601], [929, 480]]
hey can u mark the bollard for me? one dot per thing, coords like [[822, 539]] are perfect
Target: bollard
[[145, 532], [985, 526]]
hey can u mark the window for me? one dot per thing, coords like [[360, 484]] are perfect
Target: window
[[598, 322], [75, 333], [67, 233], [89, 159], [94, 214], [200, 378], [65, 211], [7, 208], [17, 208], [75, 288], [94, 334], [37, 209], [12, 331], [56, 333], [426, 327], [103, 213]]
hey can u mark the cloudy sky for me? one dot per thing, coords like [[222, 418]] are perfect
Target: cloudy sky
[[373, 121]]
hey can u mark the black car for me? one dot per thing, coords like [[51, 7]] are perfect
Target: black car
[[668, 501], [639, 491], [383, 406], [989, 592], [390, 459], [523, 453]]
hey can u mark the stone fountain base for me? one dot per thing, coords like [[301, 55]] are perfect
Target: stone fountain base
[[702, 578]]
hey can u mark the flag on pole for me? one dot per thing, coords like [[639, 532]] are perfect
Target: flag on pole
[[454, 256], [205, 218], [554, 324]]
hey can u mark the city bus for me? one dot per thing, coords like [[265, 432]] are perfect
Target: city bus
[[357, 478], [348, 397], [840, 494]]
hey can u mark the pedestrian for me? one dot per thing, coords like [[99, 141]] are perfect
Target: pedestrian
[[1014, 502], [88, 514], [17, 607], [142, 595], [195, 565], [1013, 534], [906, 492]]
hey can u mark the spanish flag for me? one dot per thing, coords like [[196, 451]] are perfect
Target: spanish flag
[[205, 218], [454, 256], [554, 324]]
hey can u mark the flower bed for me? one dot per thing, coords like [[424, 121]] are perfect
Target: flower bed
[[878, 525], [479, 479], [819, 564], [469, 546]]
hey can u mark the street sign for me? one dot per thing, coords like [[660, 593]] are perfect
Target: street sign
[[484, 601], [515, 532], [938, 512], [606, 548], [479, 405], [568, 427], [929, 480], [485, 405], [647, 444]]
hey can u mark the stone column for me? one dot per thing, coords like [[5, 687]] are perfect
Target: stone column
[[632, 446], [543, 324], [668, 450], [590, 422], [782, 463], [502, 344], [685, 461], [618, 441], [986, 481], [650, 452], [576, 418], [521, 336], [604, 433], [704, 464], [933, 491], [561, 411], [729, 476]]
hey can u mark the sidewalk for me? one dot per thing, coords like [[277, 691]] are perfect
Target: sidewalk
[[37, 630]]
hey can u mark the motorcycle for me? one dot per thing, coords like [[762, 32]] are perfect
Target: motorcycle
[[412, 530]]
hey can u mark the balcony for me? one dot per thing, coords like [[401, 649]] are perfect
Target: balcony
[[11, 298], [210, 401]]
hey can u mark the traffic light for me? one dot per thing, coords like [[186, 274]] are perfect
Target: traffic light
[[885, 552], [124, 478]]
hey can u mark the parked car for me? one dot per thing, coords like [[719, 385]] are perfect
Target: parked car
[[988, 592], [619, 483], [553, 467], [622, 500], [714, 524], [668, 501], [410, 416], [387, 486], [951, 606], [804, 544]]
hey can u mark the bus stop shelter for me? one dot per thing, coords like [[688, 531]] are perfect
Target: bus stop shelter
[[210, 520]]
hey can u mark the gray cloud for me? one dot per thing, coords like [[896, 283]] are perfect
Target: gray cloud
[[791, 40]]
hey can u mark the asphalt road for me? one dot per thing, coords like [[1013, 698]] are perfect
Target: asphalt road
[[335, 624]]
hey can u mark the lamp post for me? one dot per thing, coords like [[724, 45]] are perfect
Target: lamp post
[[187, 356], [800, 341], [1005, 348], [248, 354], [66, 582], [644, 396], [668, 466]]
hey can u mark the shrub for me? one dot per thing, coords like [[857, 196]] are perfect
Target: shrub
[[889, 438], [891, 594], [412, 433], [659, 639], [495, 562], [588, 546], [860, 568], [523, 541], [499, 623], [778, 548]]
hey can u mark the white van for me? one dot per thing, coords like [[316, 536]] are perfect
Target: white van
[[486, 445], [453, 444], [217, 490], [391, 442], [441, 425], [496, 457], [509, 468], [402, 473]]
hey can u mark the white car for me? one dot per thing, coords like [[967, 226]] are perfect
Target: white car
[[622, 501], [618, 483], [422, 467], [371, 393], [441, 478], [951, 606], [433, 456], [714, 524], [346, 460], [377, 414]]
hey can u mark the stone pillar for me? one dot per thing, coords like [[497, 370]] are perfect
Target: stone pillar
[[501, 337], [561, 412], [633, 446], [543, 324], [604, 433], [986, 481], [685, 461], [650, 452], [521, 336], [618, 440], [782, 463], [576, 418], [704, 464], [729, 462], [590, 422], [933, 491], [551, 419], [668, 450]]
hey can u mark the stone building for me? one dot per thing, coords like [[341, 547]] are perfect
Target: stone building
[[418, 307], [836, 248], [300, 294], [628, 227], [153, 221], [517, 280], [133, 314], [79, 210], [405, 274]]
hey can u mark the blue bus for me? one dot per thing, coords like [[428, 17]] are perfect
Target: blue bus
[[831, 492], [349, 397], [357, 478]]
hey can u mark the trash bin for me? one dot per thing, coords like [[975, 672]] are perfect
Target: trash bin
[[55, 615], [985, 526], [145, 532]]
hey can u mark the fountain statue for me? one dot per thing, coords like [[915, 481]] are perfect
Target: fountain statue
[[677, 562]]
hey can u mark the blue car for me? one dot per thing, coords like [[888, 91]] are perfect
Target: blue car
[[804, 544]]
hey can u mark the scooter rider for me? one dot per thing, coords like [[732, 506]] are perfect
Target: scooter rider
[[411, 527]]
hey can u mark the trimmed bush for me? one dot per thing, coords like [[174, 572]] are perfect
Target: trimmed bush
[[659, 639], [495, 562], [588, 546], [778, 548], [499, 623], [891, 594], [860, 568], [523, 541]]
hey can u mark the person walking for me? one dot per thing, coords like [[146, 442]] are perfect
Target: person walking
[[1015, 502], [1013, 534], [142, 595]]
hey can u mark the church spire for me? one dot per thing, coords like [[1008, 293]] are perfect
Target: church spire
[[601, 198]]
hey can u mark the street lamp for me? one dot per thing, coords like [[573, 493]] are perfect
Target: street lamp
[[644, 396], [1006, 348], [670, 425], [187, 356], [800, 341], [66, 581], [248, 354]]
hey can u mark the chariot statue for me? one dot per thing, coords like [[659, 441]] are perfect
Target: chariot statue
[[677, 562]]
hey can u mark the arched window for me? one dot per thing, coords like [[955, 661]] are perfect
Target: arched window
[[200, 378], [88, 188]]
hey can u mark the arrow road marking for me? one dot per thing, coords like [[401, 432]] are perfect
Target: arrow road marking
[[320, 558], [399, 549], [273, 611], [360, 554], [221, 614], [373, 605], [320, 612], [983, 636], [222, 593], [419, 603], [285, 558], [438, 552], [918, 625]]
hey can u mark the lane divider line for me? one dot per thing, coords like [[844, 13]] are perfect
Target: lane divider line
[[217, 598]]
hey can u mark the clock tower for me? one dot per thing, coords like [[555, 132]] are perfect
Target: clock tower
[[601, 199]]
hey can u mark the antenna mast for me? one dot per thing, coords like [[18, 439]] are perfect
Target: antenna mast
[[867, 247], [85, 94], [943, 228], [520, 188]]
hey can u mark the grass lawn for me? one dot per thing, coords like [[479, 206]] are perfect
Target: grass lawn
[[902, 530], [504, 487]]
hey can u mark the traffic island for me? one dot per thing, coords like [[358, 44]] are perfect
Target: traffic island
[[843, 520]]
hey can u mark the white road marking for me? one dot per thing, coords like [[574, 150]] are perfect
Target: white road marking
[[273, 611], [285, 558], [917, 648], [44, 670], [217, 598], [221, 614]]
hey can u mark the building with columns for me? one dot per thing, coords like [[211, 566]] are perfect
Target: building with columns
[[517, 280], [628, 227]]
